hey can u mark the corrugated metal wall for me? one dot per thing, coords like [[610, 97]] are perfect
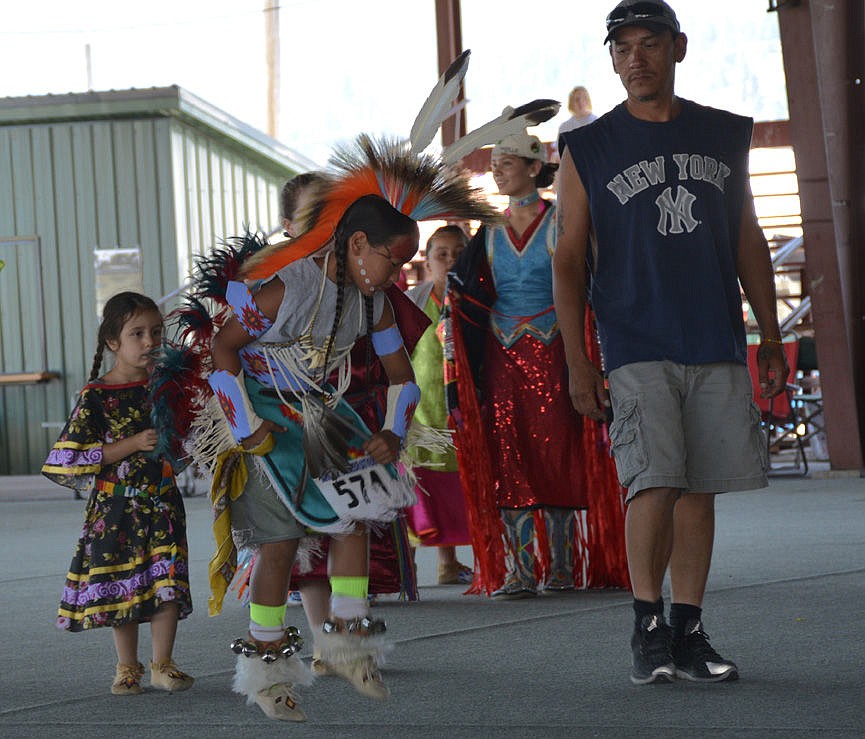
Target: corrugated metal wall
[[159, 185], [223, 192]]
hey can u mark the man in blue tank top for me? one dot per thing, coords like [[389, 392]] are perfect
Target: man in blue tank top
[[654, 195]]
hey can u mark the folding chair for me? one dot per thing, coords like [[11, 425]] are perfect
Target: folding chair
[[778, 414], [808, 405]]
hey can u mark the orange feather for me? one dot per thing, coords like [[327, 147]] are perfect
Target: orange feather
[[270, 260]]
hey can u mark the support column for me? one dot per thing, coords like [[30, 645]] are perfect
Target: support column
[[823, 57], [450, 46]]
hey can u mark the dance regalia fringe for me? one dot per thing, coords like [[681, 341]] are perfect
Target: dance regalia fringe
[[391, 560], [605, 518], [476, 475]]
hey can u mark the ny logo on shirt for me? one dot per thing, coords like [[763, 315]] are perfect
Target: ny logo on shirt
[[675, 212]]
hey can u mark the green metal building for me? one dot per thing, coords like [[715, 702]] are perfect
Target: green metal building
[[99, 192]]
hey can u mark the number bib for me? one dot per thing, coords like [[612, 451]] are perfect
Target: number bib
[[370, 492]]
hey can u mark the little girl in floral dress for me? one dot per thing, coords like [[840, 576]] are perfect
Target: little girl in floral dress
[[130, 564]]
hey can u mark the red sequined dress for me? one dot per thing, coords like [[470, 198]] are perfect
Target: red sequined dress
[[532, 450], [533, 432]]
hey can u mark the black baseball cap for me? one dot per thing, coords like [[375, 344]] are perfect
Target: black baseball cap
[[641, 13]]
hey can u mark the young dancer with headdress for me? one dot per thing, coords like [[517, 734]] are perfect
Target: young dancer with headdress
[[311, 312], [538, 462], [391, 568], [288, 452]]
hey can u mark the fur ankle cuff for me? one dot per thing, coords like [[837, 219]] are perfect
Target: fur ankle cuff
[[343, 649], [253, 674]]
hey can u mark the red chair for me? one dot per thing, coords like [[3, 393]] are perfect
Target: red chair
[[778, 414]]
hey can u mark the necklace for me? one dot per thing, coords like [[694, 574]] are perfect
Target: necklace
[[312, 354], [532, 197]]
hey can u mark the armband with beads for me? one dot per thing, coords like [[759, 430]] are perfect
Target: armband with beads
[[246, 310], [234, 401], [402, 402]]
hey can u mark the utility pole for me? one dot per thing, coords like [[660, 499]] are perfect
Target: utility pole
[[89, 61], [271, 33]]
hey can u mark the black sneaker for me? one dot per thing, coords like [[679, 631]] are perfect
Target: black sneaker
[[652, 659], [696, 660]]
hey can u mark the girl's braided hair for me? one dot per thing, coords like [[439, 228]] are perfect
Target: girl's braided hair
[[117, 311]]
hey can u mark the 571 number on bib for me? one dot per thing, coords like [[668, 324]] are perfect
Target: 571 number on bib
[[367, 494], [354, 487]]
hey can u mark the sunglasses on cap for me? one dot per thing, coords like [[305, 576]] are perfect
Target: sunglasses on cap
[[648, 12]]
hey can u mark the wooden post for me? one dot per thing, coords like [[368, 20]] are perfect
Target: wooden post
[[821, 51], [450, 46]]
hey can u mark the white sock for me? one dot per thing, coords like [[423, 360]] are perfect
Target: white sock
[[347, 608], [265, 633]]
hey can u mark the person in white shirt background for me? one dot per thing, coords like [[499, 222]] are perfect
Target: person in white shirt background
[[580, 105]]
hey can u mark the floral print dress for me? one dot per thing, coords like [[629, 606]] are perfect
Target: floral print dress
[[132, 555]]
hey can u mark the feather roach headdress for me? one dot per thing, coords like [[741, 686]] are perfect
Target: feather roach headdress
[[418, 185], [421, 186]]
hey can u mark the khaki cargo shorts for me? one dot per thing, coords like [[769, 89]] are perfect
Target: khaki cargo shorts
[[692, 427]]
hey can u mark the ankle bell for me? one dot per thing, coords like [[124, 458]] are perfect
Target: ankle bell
[[290, 644], [362, 626]]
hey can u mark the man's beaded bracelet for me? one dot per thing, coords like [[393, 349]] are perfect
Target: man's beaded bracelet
[[773, 341]]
